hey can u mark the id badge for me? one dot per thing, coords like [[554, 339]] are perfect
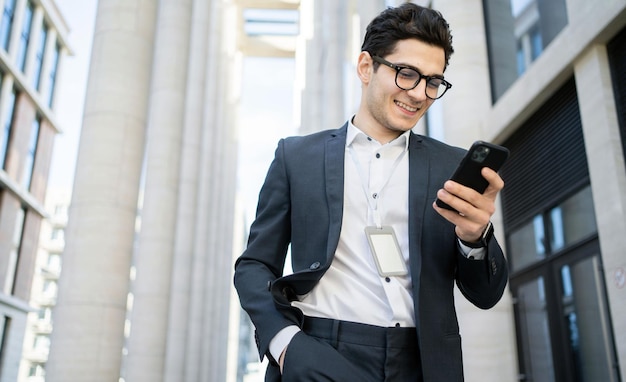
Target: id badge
[[386, 251]]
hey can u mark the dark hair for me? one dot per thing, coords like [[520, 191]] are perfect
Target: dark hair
[[405, 22]]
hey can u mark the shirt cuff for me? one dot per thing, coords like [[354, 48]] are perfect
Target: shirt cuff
[[472, 253], [281, 340]]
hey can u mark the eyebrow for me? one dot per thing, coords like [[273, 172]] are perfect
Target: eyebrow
[[437, 75], [405, 65]]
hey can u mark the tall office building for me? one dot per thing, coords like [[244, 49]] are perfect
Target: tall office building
[[33, 43], [44, 290], [547, 79]]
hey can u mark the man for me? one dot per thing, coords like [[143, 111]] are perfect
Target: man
[[374, 258]]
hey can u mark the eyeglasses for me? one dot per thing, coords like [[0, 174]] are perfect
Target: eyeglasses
[[408, 78]]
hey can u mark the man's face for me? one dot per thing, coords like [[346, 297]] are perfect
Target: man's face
[[388, 110]]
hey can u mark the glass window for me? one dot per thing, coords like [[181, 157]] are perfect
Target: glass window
[[25, 36], [584, 311], [7, 124], [38, 63], [518, 31], [573, 220], [7, 23], [536, 44], [41, 342], [568, 223], [44, 313], [53, 75], [60, 210], [534, 332], [57, 234], [526, 244], [36, 370], [14, 253], [557, 283], [5, 327], [54, 262], [29, 161], [521, 59], [49, 289]]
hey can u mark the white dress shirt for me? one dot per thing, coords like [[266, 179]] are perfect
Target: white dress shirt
[[352, 288]]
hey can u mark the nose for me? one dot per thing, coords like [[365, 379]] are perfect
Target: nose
[[419, 92]]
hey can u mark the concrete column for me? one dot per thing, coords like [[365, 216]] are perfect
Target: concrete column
[[198, 82], [325, 60], [488, 335], [465, 104], [155, 249], [89, 316], [212, 243], [607, 170]]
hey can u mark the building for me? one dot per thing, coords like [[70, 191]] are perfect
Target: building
[[544, 78], [33, 43], [44, 290]]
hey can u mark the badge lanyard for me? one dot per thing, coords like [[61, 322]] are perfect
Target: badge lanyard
[[382, 239], [372, 200]]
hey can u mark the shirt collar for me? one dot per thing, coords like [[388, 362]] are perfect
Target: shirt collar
[[354, 132]]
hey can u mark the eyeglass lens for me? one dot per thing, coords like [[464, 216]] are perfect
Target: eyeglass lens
[[407, 79]]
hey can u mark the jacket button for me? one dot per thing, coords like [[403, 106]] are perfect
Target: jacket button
[[269, 285], [315, 265], [494, 267]]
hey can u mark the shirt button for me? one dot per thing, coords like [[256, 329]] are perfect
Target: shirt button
[[387, 279], [377, 155], [397, 324], [374, 195]]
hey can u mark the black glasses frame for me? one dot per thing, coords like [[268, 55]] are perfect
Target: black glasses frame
[[398, 68]]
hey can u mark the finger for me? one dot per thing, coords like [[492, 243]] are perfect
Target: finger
[[469, 198], [466, 227], [495, 181]]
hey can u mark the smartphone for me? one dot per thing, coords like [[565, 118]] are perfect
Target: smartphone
[[481, 154]]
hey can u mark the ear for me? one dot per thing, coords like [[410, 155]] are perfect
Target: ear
[[364, 67]]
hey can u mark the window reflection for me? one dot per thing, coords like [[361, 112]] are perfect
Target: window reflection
[[584, 313], [535, 331], [518, 33], [573, 220], [526, 245], [568, 223]]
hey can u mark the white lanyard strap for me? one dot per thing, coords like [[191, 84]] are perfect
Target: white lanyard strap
[[372, 198]]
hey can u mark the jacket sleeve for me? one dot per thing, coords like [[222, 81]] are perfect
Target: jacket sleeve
[[264, 258], [482, 282]]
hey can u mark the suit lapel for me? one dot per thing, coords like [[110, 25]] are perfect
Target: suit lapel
[[334, 159], [419, 168]]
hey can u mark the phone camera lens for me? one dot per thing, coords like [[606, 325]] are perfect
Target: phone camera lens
[[480, 154]]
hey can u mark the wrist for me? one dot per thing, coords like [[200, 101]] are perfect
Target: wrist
[[483, 240]]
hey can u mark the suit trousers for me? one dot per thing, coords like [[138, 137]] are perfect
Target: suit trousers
[[332, 350]]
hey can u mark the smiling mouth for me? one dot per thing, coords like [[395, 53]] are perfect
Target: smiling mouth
[[406, 107]]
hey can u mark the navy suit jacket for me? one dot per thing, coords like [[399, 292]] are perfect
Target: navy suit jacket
[[301, 204]]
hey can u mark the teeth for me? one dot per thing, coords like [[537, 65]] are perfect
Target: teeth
[[406, 107]]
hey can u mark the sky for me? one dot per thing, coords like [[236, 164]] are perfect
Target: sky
[[80, 17]]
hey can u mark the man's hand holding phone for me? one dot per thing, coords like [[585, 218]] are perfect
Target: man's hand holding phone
[[468, 199], [472, 210]]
